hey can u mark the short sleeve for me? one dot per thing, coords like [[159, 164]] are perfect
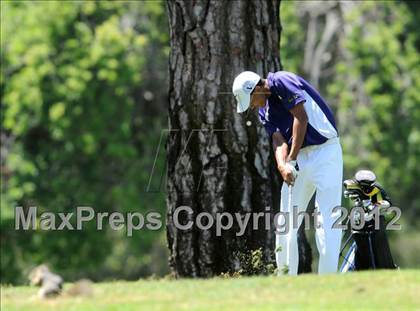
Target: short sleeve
[[269, 126], [292, 92]]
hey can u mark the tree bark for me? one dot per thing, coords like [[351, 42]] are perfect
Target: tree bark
[[215, 162]]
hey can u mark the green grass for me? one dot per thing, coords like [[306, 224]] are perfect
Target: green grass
[[363, 291]]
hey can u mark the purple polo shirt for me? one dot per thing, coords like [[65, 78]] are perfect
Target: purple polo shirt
[[288, 90]]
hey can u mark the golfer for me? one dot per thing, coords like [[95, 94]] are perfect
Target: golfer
[[308, 155]]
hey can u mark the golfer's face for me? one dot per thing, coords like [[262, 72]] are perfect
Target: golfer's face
[[257, 98]]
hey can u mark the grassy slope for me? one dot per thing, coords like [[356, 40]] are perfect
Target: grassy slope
[[367, 290]]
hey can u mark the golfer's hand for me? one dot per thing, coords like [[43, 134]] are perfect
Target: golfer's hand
[[288, 172]]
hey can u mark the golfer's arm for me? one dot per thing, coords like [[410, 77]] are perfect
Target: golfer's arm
[[300, 124], [281, 149]]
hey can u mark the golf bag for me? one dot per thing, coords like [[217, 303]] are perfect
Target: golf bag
[[369, 248]]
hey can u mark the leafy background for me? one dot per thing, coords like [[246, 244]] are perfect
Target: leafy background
[[83, 105]]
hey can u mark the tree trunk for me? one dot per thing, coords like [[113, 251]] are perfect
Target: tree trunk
[[216, 163]]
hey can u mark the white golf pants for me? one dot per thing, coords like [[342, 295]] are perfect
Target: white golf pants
[[320, 170]]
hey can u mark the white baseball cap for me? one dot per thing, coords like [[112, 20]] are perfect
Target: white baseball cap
[[242, 87]]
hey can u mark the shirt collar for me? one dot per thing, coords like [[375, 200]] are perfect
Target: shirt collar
[[270, 81]]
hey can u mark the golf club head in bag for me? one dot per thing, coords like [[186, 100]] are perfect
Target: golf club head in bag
[[369, 248]]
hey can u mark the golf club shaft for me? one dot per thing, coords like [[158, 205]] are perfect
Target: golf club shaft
[[290, 198]]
